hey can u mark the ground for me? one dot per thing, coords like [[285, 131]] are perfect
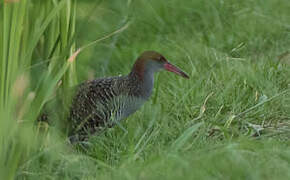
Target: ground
[[230, 120]]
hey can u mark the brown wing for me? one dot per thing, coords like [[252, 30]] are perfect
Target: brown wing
[[92, 108]]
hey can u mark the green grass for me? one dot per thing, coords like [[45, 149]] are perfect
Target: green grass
[[230, 120]]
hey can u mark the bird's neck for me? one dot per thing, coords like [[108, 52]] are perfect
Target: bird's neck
[[148, 83], [144, 80]]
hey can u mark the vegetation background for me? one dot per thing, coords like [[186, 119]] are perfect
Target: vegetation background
[[230, 120]]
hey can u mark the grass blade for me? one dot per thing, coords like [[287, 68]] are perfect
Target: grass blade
[[181, 140]]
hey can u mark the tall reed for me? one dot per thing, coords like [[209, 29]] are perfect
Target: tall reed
[[37, 39]]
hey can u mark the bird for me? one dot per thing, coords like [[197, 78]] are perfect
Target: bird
[[104, 102]]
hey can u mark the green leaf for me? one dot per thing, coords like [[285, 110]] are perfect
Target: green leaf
[[179, 142]]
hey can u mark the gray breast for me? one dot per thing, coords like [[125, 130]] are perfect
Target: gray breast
[[124, 106]]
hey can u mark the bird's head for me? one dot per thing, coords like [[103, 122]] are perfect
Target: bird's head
[[151, 62]]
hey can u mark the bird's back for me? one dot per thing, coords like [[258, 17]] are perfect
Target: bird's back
[[101, 103]]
